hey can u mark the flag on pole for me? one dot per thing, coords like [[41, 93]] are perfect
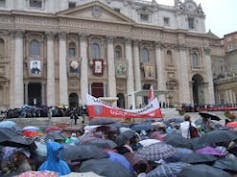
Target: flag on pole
[[151, 94]]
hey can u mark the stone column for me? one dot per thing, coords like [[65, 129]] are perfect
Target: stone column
[[84, 68], [207, 64], [137, 71], [111, 68], [63, 83], [50, 70], [43, 93], [184, 86], [18, 71], [160, 67], [130, 77]]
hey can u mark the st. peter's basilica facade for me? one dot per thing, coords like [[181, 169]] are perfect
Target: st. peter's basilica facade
[[54, 52]]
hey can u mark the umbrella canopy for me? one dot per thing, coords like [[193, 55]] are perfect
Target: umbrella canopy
[[141, 126], [102, 143], [213, 137], [118, 158], [157, 135], [7, 124], [52, 128], [169, 169], [83, 152], [210, 150], [148, 142], [86, 174], [101, 121], [177, 140], [232, 124], [39, 174], [54, 135], [198, 158], [226, 164], [128, 134], [9, 137], [105, 167], [157, 151], [203, 171], [31, 128], [208, 115]]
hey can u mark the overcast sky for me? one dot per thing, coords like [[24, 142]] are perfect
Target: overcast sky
[[221, 15]]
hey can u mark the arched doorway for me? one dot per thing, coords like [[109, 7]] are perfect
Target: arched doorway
[[97, 89], [35, 94], [73, 100], [198, 90], [121, 100]]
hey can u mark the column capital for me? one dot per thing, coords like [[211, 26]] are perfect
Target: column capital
[[50, 35], [110, 39], [207, 50], [128, 41], [83, 36], [182, 47], [136, 42], [62, 35], [18, 33], [159, 45]]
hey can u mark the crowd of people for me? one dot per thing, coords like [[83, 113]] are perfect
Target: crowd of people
[[134, 149]]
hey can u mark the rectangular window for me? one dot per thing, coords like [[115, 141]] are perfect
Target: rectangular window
[[144, 17], [2, 3], [166, 21], [71, 5], [191, 23], [36, 3]]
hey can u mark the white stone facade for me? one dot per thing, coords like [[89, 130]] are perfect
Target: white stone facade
[[93, 48]]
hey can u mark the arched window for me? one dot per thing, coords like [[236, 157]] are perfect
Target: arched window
[[95, 48], [145, 56], [2, 51], [169, 58], [118, 53], [72, 49], [34, 48], [195, 60]]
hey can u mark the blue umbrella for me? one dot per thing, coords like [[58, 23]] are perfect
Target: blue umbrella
[[115, 157], [7, 124], [142, 126]]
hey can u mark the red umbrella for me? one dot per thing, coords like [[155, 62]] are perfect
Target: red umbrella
[[52, 128], [232, 124], [31, 133]]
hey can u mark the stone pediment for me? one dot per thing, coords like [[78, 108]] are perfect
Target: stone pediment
[[95, 11]]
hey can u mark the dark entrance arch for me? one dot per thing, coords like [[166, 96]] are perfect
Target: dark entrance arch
[[35, 94], [121, 100], [198, 97], [145, 98], [97, 89], [73, 100]]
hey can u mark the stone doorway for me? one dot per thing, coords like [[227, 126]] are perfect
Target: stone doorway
[[35, 94], [121, 100], [73, 100], [198, 90], [97, 89]]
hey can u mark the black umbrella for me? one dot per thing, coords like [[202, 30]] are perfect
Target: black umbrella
[[101, 121], [54, 135], [83, 152], [208, 115], [226, 164], [202, 170], [105, 167], [177, 140], [198, 158], [129, 134], [213, 137], [9, 137], [102, 143]]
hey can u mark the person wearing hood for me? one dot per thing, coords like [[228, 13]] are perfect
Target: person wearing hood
[[54, 160]]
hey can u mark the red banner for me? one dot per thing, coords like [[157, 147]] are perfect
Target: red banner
[[98, 109]]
